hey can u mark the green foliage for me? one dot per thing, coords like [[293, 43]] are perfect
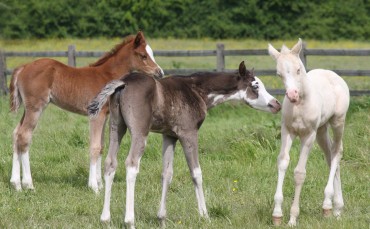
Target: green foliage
[[275, 19]]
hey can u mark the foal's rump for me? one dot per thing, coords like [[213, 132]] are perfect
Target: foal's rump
[[331, 87], [34, 81]]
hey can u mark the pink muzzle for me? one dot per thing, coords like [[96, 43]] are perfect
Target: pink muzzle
[[292, 95]]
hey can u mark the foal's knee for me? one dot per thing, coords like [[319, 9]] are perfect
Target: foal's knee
[[283, 162], [110, 166], [299, 176], [95, 152], [23, 141], [167, 176]]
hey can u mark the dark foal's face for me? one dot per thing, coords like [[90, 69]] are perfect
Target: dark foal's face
[[143, 59], [254, 93]]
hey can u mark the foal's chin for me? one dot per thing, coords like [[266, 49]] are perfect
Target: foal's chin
[[294, 100], [274, 110]]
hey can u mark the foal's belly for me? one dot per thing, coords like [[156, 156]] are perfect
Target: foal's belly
[[162, 127]]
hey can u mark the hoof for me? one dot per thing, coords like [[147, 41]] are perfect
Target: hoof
[[95, 189], [130, 225], [105, 219], [326, 212], [276, 220], [292, 223], [162, 222], [337, 213], [16, 185], [28, 186], [100, 185]]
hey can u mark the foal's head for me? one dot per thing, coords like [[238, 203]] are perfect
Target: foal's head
[[142, 58], [135, 54], [290, 68], [255, 94]]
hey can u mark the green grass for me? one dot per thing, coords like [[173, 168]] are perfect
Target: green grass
[[238, 151]]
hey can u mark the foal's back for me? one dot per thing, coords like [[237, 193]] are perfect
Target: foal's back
[[333, 92], [165, 106], [46, 78]]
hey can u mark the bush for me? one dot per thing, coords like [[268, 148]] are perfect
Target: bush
[[283, 19]]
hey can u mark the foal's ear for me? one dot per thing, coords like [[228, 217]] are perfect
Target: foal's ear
[[273, 52], [297, 47], [139, 39], [242, 69]]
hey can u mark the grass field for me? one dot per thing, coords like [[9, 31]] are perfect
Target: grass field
[[238, 151]]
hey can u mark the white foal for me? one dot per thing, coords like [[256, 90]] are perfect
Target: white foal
[[313, 101]]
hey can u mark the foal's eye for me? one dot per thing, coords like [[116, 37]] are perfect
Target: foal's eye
[[255, 86], [298, 71], [143, 57]]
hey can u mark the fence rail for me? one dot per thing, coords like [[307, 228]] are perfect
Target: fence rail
[[220, 53]]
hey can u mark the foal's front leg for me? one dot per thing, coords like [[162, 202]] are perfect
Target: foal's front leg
[[283, 162], [117, 131], [168, 149], [190, 146], [96, 147], [300, 174]]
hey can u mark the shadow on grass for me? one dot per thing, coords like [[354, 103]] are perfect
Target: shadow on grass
[[77, 178]]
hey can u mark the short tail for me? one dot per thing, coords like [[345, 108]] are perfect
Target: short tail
[[98, 102], [15, 97]]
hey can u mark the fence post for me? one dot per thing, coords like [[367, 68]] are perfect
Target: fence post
[[220, 57], [72, 55], [3, 81], [303, 55]]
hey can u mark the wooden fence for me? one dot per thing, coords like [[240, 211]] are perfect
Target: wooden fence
[[219, 52]]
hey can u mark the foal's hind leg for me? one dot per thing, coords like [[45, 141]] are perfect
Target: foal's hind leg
[[168, 149], [138, 142], [117, 131], [22, 137], [96, 149], [324, 141], [333, 189], [190, 146], [15, 179]]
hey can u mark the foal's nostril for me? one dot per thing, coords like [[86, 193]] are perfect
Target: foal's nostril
[[160, 73]]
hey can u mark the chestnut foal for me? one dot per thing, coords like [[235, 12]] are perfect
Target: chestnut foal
[[46, 80], [175, 107]]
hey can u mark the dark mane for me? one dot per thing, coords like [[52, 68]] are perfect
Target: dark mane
[[204, 74], [113, 51]]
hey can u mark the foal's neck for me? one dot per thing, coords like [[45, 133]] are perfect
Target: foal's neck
[[306, 90], [114, 67], [216, 99]]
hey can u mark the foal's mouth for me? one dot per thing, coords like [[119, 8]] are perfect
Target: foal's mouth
[[274, 106], [159, 74]]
